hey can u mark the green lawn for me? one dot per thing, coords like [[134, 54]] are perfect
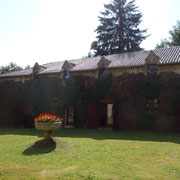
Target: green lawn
[[90, 154]]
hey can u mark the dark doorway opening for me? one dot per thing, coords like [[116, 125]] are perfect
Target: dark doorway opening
[[100, 115], [25, 116], [105, 115], [28, 121], [69, 117]]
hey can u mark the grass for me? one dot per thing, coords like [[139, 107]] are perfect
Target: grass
[[89, 154]]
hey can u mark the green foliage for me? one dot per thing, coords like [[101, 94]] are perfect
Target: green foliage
[[42, 92], [90, 54], [72, 92], [129, 93], [27, 67], [11, 67], [175, 83], [175, 35], [151, 88], [9, 96], [78, 88], [174, 39], [39, 95], [102, 89], [164, 44], [175, 105], [118, 30], [79, 92], [75, 96], [81, 111], [147, 121]]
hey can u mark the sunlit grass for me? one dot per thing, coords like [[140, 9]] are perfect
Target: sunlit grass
[[88, 154]]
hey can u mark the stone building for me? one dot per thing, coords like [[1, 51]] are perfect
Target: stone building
[[101, 114], [159, 60]]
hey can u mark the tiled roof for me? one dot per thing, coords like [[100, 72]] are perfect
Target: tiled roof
[[24, 72], [132, 59]]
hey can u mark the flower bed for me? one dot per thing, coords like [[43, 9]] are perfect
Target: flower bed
[[48, 118]]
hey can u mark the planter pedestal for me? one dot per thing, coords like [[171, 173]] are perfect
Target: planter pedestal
[[47, 135], [47, 127]]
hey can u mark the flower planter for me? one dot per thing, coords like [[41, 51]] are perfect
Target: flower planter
[[47, 127]]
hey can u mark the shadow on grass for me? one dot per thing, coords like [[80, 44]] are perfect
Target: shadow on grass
[[40, 147], [119, 135], [99, 134]]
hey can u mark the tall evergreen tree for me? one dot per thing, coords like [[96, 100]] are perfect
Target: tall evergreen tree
[[118, 30]]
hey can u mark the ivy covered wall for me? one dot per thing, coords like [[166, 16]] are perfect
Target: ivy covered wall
[[138, 103]]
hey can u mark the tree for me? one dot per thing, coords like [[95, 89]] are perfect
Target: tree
[[89, 55], [11, 67], [27, 67], [164, 44], [174, 39], [118, 30]]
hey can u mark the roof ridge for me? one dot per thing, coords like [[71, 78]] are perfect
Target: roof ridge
[[16, 71], [126, 59], [167, 48], [112, 54]]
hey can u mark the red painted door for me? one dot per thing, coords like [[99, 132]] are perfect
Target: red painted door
[[92, 115]]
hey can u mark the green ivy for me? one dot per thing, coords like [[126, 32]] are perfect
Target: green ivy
[[151, 88], [80, 90]]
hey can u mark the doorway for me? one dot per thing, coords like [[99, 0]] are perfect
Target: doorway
[[24, 115], [100, 115], [105, 115], [69, 117]]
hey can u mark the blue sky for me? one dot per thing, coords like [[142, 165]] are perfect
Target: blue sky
[[54, 30]]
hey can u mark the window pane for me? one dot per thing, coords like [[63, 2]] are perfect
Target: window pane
[[66, 75], [102, 72], [152, 68]]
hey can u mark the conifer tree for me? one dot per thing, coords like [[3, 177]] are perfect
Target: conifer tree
[[118, 30]]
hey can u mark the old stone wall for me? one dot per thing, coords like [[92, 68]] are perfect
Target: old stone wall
[[8, 99], [129, 100], [86, 73], [170, 68], [138, 103], [16, 79], [136, 109]]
